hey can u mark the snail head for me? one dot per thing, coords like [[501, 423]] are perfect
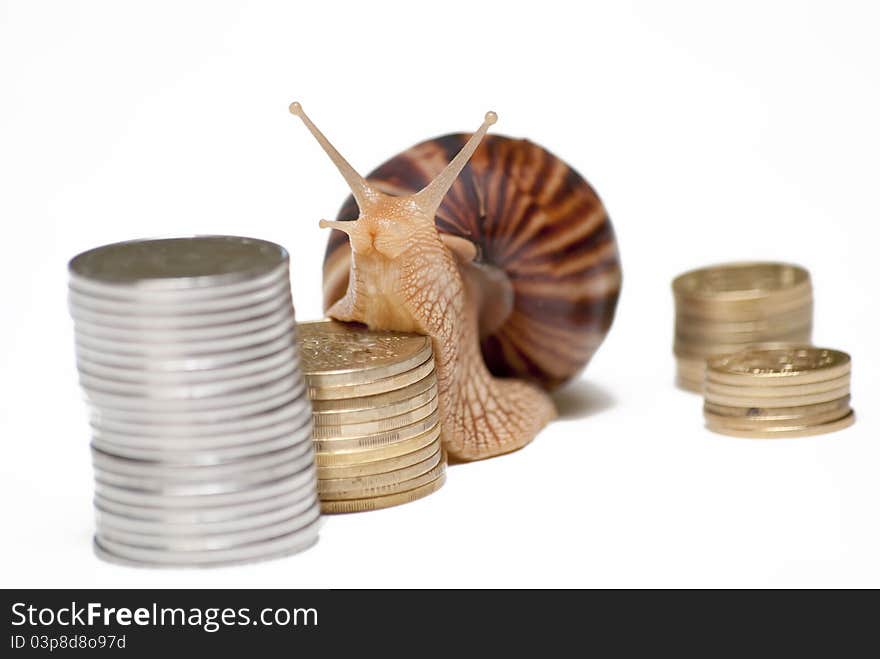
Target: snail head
[[387, 223]]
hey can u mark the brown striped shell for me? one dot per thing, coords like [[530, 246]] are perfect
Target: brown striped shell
[[536, 220]]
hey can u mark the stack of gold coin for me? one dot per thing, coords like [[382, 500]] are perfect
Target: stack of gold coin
[[376, 425], [724, 309], [785, 392]]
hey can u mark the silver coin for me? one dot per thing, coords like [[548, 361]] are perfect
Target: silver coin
[[200, 391], [203, 494], [186, 363], [119, 301], [187, 378], [205, 515], [190, 482], [189, 349], [294, 430], [202, 447], [178, 263], [161, 487], [160, 469], [217, 455], [154, 428], [186, 336], [103, 555], [213, 542], [178, 321], [289, 436], [166, 297], [291, 390], [276, 547], [160, 297], [286, 379], [296, 422], [270, 291], [172, 526], [168, 498], [211, 478]]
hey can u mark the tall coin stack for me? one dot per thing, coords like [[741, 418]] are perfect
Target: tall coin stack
[[726, 308], [786, 392], [376, 425], [201, 426]]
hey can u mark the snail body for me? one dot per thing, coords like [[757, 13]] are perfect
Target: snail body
[[508, 262]]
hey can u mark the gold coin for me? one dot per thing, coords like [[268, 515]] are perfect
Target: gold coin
[[738, 342], [747, 281], [786, 431], [694, 334], [424, 386], [376, 503], [760, 392], [694, 351], [791, 335], [407, 406], [695, 386], [343, 354], [343, 429], [699, 363], [780, 401], [364, 486], [771, 345], [780, 367], [701, 325], [729, 312], [379, 466], [689, 374], [382, 386], [337, 458], [755, 423], [691, 370], [697, 366], [375, 440], [777, 413], [695, 376], [390, 488]]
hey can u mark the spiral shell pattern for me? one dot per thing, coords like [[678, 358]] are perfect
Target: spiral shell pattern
[[535, 218]]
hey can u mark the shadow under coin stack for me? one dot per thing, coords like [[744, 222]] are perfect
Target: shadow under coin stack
[[726, 308], [201, 425], [791, 392], [376, 426]]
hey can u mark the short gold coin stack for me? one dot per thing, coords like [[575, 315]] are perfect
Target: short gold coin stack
[[726, 308], [785, 392], [376, 425]]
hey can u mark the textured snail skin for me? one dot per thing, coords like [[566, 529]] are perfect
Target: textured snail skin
[[412, 263]]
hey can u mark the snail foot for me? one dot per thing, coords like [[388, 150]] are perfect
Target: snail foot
[[499, 418]]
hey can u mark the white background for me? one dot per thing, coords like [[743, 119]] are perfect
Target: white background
[[713, 131]]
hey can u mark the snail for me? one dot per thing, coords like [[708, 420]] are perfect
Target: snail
[[503, 255]]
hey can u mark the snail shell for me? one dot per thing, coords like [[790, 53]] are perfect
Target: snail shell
[[544, 246]]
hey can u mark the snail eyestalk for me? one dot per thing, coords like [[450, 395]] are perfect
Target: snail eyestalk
[[357, 184], [344, 227], [432, 194], [359, 236]]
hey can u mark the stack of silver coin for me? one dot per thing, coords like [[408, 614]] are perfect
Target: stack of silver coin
[[200, 421]]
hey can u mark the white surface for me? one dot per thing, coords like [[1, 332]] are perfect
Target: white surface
[[712, 134]]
